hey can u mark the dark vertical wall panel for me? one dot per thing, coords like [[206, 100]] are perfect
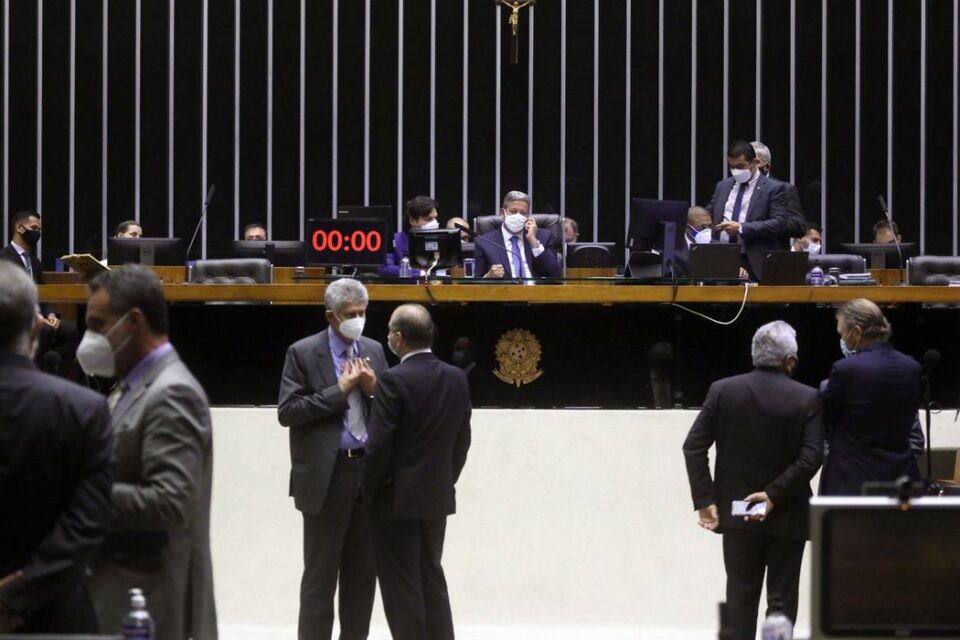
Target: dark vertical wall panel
[[55, 172], [286, 121], [89, 105], [648, 159]]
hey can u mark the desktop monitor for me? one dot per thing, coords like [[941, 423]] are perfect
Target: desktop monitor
[[280, 253], [657, 225], [380, 212], [434, 248], [883, 256], [360, 242], [146, 251], [590, 255], [885, 569]]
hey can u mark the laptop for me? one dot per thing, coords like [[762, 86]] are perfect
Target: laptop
[[714, 261], [785, 268]]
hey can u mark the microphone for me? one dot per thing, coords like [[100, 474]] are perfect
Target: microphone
[[886, 212], [931, 358], [206, 203], [51, 362], [470, 233], [474, 236]]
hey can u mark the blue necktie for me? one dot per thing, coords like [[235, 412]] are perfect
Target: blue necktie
[[737, 205], [28, 263], [517, 259]]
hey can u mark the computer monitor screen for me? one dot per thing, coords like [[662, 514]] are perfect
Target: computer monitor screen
[[146, 251], [885, 255], [590, 255], [347, 241], [437, 248], [280, 253], [647, 220], [379, 212], [882, 571]]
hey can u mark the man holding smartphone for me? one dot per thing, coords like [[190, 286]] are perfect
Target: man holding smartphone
[[769, 446]]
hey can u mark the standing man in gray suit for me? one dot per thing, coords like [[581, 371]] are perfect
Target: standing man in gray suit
[[159, 539], [328, 382]]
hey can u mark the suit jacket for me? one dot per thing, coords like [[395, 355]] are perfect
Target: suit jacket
[[769, 438], [312, 405], [774, 216], [160, 536], [10, 254], [56, 468], [869, 408], [490, 249], [419, 434]]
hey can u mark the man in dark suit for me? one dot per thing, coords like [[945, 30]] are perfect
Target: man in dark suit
[[57, 336], [159, 539], [56, 469], [518, 249], [328, 380], [869, 405], [769, 446], [752, 210], [419, 437]]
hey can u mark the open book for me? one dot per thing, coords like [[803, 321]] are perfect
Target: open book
[[84, 263]]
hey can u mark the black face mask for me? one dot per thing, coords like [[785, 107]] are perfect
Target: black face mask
[[31, 236]]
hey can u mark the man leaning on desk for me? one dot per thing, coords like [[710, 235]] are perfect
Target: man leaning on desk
[[753, 210], [518, 249]]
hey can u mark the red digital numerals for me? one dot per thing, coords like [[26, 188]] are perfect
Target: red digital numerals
[[335, 240]]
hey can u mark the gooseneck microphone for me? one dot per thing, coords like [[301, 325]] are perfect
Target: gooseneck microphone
[[896, 241], [475, 236], [203, 214]]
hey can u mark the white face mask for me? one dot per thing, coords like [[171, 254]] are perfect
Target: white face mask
[[433, 224], [813, 248], [704, 236], [390, 346], [352, 328], [514, 222], [95, 353], [741, 175]]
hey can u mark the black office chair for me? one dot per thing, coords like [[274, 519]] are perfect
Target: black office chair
[[846, 262], [234, 271], [933, 271], [549, 221]]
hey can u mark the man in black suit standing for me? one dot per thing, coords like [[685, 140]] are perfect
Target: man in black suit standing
[[769, 446], [56, 335], [754, 211], [56, 470], [419, 437], [328, 380]]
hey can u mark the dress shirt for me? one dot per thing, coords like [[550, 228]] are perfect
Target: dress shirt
[[744, 205], [337, 347], [523, 254], [138, 371]]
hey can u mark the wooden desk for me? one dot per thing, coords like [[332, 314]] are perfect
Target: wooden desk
[[572, 292]]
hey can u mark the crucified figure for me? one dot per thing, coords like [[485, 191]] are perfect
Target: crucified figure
[[514, 22]]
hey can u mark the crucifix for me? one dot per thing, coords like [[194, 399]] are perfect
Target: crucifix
[[514, 22]]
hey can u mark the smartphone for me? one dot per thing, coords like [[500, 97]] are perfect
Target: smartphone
[[744, 508]]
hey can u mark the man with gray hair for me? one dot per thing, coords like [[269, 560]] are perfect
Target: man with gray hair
[[518, 249], [769, 442], [56, 469], [325, 393]]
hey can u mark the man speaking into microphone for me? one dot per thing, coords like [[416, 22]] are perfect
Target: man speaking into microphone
[[518, 249]]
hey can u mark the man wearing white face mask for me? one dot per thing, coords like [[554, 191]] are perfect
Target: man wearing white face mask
[[518, 249], [810, 242], [328, 381], [752, 210], [159, 539]]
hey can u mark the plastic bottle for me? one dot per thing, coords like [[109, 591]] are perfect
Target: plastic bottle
[[138, 625], [405, 267], [777, 626], [816, 277]]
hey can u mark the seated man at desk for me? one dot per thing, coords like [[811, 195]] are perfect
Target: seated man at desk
[[886, 232], [752, 210], [518, 249], [420, 212], [255, 231], [811, 241], [129, 229], [452, 224]]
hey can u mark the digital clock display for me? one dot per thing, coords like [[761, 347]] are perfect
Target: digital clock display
[[357, 242]]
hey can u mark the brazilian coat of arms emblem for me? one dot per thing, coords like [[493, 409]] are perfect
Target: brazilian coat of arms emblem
[[518, 356]]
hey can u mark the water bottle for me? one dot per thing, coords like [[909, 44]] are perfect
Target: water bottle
[[405, 267], [816, 277], [138, 625], [777, 626]]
